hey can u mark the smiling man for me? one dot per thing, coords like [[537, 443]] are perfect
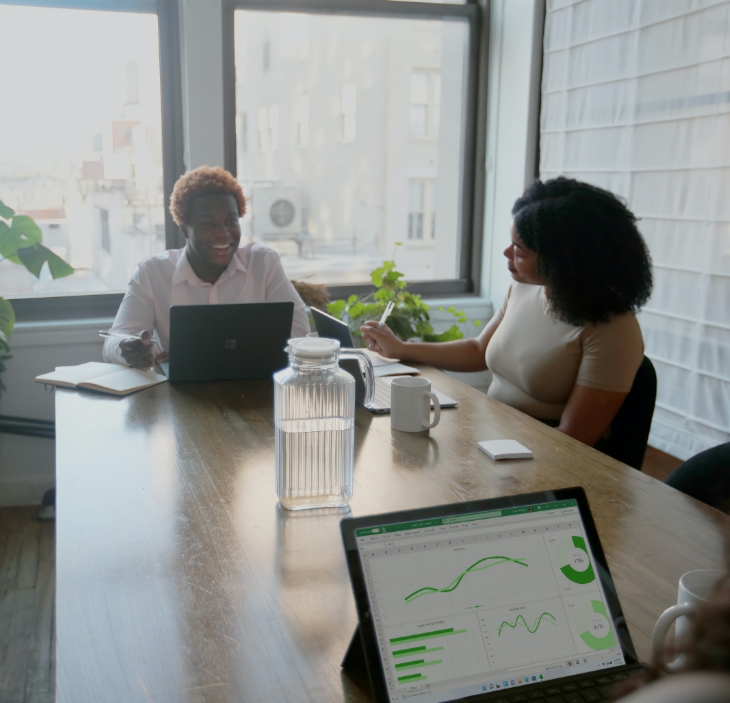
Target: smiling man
[[206, 204]]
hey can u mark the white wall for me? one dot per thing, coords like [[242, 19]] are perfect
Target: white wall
[[26, 464]]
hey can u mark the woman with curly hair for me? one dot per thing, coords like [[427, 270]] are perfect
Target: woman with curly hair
[[206, 204], [565, 345]]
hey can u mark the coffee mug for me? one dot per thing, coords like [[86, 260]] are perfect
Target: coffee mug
[[410, 406], [694, 590]]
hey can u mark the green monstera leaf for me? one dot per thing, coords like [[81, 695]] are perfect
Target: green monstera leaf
[[5, 211], [7, 324], [22, 234], [34, 257]]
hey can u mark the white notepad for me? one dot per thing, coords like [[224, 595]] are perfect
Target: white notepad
[[383, 366], [505, 449], [107, 378]]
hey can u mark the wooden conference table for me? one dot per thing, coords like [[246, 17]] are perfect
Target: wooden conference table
[[179, 578]]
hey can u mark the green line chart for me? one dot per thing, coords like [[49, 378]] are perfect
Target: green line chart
[[493, 561], [520, 620]]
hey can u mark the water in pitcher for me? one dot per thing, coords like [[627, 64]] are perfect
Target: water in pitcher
[[315, 466]]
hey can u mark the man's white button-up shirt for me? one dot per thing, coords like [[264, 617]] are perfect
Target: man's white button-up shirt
[[255, 275]]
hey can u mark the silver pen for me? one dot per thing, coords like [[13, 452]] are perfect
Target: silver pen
[[388, 309], [130, 337]]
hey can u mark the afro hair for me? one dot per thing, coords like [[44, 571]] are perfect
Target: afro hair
[[203, 181]]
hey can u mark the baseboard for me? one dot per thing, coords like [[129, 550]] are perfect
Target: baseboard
[[26, 492]]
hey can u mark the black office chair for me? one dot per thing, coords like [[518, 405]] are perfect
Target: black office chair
[[630, 428]]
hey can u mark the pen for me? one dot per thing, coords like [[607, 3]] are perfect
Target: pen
[[124, 336], [388, 309]]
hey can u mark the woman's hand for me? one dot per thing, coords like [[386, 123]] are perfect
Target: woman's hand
[[382, 341]]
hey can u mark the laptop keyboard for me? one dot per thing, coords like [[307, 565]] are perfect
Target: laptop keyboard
[[590, 689], [382, 393]]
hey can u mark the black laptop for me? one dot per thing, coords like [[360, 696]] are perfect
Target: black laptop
[[508, 599], [219, 342]]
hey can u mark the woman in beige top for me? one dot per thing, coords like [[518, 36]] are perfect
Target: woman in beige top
[[565, 345]]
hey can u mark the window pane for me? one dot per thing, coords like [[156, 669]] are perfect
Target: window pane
[[81, 143], [372, 85]]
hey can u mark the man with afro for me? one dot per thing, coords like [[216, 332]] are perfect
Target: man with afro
[[206, 204]]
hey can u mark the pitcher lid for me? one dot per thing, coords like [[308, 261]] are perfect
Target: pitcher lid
[[313, 348]]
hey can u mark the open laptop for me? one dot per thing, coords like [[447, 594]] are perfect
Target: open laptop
[[508, 599], [231, 341], [332, 328]]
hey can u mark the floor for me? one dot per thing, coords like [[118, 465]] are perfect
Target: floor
[[27, 580], [27, 585], [658, 464]]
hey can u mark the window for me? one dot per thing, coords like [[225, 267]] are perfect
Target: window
[[421, 211], [83, 156], [363, 94], [425, 108], [104, 219], [415, 210]]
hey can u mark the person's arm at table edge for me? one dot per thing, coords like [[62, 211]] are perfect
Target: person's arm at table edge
[[280, 289], [461, 355], [589, 412], [136, 315]]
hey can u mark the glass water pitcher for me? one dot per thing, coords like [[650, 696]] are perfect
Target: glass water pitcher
[[314, 412]]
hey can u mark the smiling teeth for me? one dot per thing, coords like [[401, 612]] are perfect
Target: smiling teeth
[[221, 246]]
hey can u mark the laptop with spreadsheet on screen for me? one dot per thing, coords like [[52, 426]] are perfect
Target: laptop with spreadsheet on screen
[[504, 599]]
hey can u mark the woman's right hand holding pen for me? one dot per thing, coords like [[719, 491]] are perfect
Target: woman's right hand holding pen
[[382, 340]]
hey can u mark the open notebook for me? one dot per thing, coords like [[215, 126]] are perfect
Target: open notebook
[[107, 378]]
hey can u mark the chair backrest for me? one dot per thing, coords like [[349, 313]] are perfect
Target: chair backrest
[[630, 427]]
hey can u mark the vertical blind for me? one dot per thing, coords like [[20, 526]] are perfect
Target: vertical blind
[[636, 99]]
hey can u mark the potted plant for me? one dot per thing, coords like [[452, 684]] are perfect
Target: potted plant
[[20, 242], [410, 318]]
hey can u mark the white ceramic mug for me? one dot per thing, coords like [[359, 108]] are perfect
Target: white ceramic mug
[[694, 590], [410, 406]]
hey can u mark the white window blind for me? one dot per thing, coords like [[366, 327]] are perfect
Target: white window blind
[[636, 99]]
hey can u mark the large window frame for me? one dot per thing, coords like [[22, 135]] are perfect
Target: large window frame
[[473, 168], [37, 308]]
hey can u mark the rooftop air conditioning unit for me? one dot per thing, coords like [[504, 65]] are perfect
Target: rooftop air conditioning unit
[[277, 213]]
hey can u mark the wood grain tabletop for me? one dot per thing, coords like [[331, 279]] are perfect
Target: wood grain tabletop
[[180, 579]]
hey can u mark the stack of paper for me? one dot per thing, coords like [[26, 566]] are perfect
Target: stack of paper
[[107, 378], [383, 366]]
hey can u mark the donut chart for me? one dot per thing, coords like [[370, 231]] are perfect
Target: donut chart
[[577, 567], [592, 621]]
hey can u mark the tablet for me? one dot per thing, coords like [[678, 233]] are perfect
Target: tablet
[[476, 599]]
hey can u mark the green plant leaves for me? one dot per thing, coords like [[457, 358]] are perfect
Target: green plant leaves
[[410, 318], [34, 257], [23, 233], [5, 211], [336, 308], [7, 324]]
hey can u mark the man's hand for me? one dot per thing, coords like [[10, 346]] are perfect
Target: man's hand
[[138, 353]]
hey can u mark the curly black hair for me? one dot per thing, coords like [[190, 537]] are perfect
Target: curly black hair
[[593, 259]]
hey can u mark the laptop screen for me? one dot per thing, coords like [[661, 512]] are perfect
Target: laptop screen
[[486, 601]]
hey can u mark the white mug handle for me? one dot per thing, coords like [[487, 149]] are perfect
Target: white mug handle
[[662, 627], [436, 410]]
